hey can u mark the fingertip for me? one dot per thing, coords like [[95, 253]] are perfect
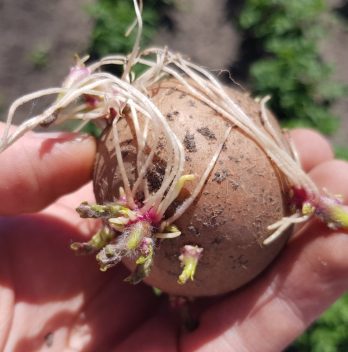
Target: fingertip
[[70, 157], [332, 175], [312, 147], [322, 244]]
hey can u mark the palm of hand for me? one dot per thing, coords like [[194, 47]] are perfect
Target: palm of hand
[[49, 298]]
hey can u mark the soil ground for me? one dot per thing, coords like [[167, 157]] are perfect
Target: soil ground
[[39, 39]]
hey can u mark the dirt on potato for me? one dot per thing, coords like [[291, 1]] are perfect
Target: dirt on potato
[[243, 194]]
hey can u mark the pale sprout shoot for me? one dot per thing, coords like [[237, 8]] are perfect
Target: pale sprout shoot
[[131, 228], [189, 258]]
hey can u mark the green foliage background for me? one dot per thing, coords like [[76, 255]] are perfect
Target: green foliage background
[[327, 334], [112, 19], [287, 66]]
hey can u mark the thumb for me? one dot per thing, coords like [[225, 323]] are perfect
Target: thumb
[[41, 167]]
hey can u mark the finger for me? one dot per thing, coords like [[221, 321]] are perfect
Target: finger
[[67, 294], [41, 167], [65, 208], [156, 334], [312, 147], [273, 310], [332, 176]]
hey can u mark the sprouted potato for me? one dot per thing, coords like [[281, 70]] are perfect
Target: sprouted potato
[[195, 184], [227, 221]]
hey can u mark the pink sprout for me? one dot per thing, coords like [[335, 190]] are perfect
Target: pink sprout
[[77, 73]]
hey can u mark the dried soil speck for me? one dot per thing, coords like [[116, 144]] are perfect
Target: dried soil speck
[[220, 175], [182, 95], [193, 230], [234, 184], [170, 91], [155, 175], [207, 133], [191, 103], [216, 240], [170, 115], [240, 262], [189, 142]]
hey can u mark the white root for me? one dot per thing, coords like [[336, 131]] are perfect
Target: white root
[[282, 225], [167, 235], [186, 204], [267, 123], [293, 148], [7, 139], [150, 124], [126, 184], [136, 47]]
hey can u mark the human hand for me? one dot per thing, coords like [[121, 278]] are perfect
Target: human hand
[[51, 298]]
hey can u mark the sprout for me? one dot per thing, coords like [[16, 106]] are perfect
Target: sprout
[[189, 258], [144, 261], [98, 241]]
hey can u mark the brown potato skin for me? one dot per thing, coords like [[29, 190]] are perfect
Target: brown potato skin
[[244, 194]]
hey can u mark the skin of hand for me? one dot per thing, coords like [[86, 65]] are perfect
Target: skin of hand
[[53, 300]]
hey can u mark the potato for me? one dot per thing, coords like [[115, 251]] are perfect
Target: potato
[[243, 195]]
